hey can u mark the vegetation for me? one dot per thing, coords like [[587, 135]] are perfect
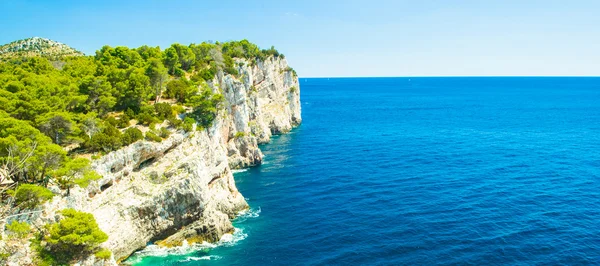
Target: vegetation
[[131, 135], [29, 196], [58, 106], [151, 136], [239, 134], [87, 178], [37, 47], [76, 234], [103, 254], [18, 229]]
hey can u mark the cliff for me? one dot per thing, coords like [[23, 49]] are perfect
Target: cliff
[[150, 191]]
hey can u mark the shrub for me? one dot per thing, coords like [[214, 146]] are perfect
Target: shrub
[[130, 113], [123, 121], [208, 74], [180, 89], [188, 124], [111, 120], [239, 134], [87, 178], [18, 229], [131, 135], [178, 109], [75, 234], [197, 79], [146, 118], [30, 196], [153, 137], [146, 115], [103, 254], [231, 71], [103, 142], [179, 72], [64, 182], [163, 110], [206, 107], [174, 122], [107, 140], [164, 132]]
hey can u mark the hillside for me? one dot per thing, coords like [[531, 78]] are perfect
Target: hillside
[[37, 46], [136, 143]]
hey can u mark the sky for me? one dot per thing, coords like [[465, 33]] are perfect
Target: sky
[[340, 38]]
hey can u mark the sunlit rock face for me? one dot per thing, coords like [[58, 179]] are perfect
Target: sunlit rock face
[[151, 191]]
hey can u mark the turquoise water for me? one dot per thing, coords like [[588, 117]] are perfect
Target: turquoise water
[[399, 171]]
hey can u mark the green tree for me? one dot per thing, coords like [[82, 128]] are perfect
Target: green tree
[[171, 59], [131, 135], [163, 111], [158, 76], [147, 52], [29, 196], [48, 158], [57, 126], [206, 107], [100, 94], [186, 56], [180, 89], [108, 140], [25, 152], [76, 234]]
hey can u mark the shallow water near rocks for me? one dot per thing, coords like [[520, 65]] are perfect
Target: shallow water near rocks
[[404, 171]]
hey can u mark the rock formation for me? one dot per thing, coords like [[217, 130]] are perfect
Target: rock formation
[[151, 191]]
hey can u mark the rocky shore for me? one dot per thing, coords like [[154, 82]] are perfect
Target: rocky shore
[[183, 188]]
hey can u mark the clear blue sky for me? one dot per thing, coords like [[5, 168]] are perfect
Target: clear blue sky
[[340, 37]]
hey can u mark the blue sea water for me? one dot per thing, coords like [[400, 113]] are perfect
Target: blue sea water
[[423, 171]]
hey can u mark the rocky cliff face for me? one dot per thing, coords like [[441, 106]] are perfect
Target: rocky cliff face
[[150, 191]]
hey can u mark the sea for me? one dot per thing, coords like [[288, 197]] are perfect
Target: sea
[[422, 171]]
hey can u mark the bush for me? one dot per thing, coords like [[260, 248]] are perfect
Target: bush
[[188, 124], [123, 121], [206, 107], [208, 74], [153, 137], [111, 120], [108, 140], [178, 109], [147, 115], [179, 72], [163, 111], [131, 135], [164, 132], [103, 254], [18, 229], [103, 142], [30, 196], [87, 178], [239, 134], [174, 122], [75, 234], [180, 89]]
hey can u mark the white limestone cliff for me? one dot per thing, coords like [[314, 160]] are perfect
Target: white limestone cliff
[[150, 191]]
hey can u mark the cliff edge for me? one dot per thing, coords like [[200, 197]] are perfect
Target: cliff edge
[[151, 191]]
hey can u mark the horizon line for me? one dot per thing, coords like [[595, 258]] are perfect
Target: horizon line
[[507, 76]]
